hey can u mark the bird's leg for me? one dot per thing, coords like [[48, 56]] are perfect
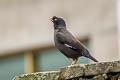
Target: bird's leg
[[74, 61]]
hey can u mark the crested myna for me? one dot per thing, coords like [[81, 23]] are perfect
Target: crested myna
[[66, 43]]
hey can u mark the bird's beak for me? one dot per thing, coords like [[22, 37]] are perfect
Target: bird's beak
[[51, 19]]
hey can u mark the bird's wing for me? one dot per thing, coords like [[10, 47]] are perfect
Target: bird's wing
[[69, 40]]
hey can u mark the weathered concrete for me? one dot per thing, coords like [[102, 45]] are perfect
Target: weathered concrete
[[89, 69], [53, 75], [96, 71]]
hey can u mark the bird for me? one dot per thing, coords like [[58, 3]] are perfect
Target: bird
[[66, 43]]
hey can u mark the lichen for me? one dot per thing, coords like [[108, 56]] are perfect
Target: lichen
[[96, 71]]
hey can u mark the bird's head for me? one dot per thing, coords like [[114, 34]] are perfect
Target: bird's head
[[58, 22]]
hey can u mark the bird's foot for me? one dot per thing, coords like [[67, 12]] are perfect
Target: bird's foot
[[74, 61]]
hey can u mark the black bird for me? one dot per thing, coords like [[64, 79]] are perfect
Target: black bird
[[66, 43]]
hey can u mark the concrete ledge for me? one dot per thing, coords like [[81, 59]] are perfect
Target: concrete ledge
[[96, 71], [89, 69], [52, 75]]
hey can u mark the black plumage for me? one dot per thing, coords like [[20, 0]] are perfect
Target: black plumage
[[66, 43]]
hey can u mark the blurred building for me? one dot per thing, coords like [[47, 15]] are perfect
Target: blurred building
[[26, 34]]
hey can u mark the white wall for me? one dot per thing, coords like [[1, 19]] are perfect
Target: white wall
[[24, 24]]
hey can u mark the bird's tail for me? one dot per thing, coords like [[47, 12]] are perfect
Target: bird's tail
[[90, 57]]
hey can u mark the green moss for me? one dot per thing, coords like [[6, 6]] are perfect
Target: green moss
[[97, 71], [17, 78]]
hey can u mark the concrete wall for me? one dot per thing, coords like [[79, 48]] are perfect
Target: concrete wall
[[24, 24], [97, 71]]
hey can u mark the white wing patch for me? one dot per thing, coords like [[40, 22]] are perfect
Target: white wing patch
[[68, 45]]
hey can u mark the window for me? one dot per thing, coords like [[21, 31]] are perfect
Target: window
[[46, 60], [11, 67]]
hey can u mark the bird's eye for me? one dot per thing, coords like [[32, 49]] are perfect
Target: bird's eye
[[55, 19]]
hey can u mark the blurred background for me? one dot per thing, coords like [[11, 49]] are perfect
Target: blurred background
[[27, 35]]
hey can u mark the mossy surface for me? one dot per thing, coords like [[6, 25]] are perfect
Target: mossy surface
[[96, 71], [80, 70], [53, 75]]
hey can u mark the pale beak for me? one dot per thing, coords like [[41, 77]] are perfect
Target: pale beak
[[51, 19]]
